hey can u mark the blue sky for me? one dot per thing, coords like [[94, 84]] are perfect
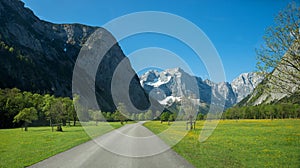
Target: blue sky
[[235, 27]]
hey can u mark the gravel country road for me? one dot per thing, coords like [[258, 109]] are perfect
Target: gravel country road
[[131, 146]]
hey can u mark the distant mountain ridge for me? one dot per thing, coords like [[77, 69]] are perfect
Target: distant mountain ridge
[[172, 84]]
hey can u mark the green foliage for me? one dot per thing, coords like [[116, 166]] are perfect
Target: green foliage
[[122, 109], [268, 111], [82, 111], [96, 116], [119, 117], [134, 117], [141, 116], [109, 116], [27, 115], [121, 113], [165, 116], [149, 115], [23, 107], [200, 116], [294, 99], [172, 117], [11, 49]]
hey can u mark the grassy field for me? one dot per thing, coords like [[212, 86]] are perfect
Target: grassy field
[[243, 143], [19, 148]]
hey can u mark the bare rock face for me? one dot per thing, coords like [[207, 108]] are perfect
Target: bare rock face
[[39, 56], [244, 84]]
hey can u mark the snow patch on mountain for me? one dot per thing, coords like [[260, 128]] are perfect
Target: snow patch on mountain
[[159, 82], [169, 100]]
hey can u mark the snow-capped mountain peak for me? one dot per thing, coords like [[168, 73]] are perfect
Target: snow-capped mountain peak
[[172, 84]]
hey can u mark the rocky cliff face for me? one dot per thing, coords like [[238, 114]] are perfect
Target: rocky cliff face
[[272, 89], [173, 84], [244, 84], [39, 56], [43, 53]]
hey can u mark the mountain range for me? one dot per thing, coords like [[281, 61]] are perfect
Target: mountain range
[[40, 56], [171, 85]]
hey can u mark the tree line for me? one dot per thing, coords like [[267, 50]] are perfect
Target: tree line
[[265, 111], [19, 109]]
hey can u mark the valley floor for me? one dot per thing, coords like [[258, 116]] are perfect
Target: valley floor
[[241, 143], [234, 143], [132, 146], [20, 149]]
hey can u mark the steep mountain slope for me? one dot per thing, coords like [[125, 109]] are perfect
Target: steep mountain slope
[[39, 56], [272, 89], [173, 84], [244, 84]]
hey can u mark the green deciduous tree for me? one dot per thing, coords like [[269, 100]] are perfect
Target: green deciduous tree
[[122, 109], [141, 116], [121, 113], [70, 110], [27, 115], [81, 109], [57, 113], [133, 116], [172, 117], [164, 116], [97, 116], [149, 115]]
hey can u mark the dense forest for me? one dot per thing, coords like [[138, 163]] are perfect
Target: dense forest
[[264, 111], [19, 108]]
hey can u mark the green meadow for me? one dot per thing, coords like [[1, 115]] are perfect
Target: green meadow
[[20, 149], [241, 143]]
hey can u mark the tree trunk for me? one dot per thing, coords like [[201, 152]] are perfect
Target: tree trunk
[[59, 128], [64, 122], [74, 121], [51, 124], [26, 126]]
